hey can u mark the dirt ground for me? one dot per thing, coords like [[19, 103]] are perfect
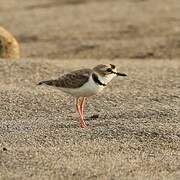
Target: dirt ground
[[137, 133]]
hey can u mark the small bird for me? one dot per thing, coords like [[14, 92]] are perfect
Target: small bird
[[84, 83]]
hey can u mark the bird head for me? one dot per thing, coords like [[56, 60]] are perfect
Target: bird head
[[107, 70]]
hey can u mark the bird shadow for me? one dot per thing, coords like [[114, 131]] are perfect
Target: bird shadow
[[93, 117]]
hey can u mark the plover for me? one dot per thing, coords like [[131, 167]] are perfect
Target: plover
[[84, 83]]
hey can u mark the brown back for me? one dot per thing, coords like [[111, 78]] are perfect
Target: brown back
[[75, 79]]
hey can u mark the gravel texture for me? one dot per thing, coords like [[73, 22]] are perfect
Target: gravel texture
[[136, 136]]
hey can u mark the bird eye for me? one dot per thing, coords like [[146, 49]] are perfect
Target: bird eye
[[109, 70]]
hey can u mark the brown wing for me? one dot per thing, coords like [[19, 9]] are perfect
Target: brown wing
[[74, 79]]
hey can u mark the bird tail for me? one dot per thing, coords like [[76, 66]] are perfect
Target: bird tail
[[48, 82]]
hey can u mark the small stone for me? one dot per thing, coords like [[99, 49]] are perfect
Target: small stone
[[94, 116], [4, 149]]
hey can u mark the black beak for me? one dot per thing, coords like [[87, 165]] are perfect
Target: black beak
[[120, 74]]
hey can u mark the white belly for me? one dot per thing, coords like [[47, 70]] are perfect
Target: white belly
[[88, 89]]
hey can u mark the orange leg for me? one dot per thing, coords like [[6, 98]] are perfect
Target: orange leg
[[80, 111], [82, 106]]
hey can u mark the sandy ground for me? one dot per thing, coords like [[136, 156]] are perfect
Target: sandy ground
[[137, 133]]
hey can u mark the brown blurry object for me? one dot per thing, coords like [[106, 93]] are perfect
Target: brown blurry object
[[9, 47]]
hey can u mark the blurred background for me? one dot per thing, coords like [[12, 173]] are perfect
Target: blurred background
[[137, 132], [111, 29]]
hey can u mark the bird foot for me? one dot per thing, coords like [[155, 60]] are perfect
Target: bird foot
[[84, 125]]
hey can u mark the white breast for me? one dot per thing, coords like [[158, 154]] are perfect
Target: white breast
[[88, 89]]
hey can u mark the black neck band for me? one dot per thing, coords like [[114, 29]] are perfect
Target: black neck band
[[96, 80]]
